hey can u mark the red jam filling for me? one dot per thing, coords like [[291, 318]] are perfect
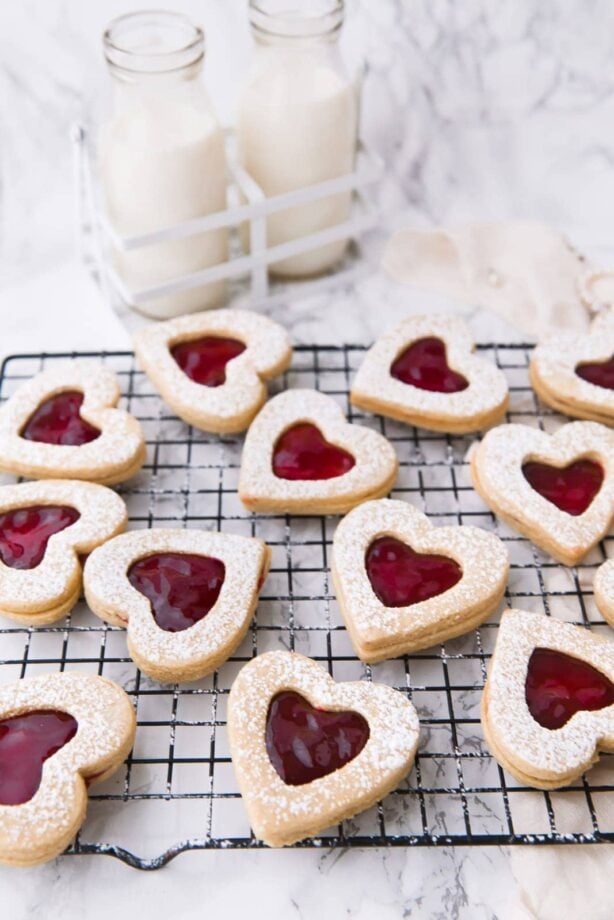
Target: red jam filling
[[571, 488], [304, 743], [602, 375], [204, 360], [302, 452], [57, 421], [424, 364], [559, 685], [399, 576], [24, 532], [26, 742], [181, 587]]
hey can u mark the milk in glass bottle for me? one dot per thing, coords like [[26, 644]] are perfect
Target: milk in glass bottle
[[298, 120], [161, 156]]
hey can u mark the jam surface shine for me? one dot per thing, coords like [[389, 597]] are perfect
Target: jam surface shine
[[204, 360], [600, 374], [571, 488], [181, 587], [305, 743], [400, 576], [58, 421], [25, 532], [424, 364], [302, 452], [26, 742], [558, 685]]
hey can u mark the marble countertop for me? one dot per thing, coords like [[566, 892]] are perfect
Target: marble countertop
[[481, 110]]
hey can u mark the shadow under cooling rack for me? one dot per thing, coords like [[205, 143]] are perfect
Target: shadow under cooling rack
[[177, 791]]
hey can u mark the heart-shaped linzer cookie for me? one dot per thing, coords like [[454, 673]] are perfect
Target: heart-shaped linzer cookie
[[548, 703], [44, 529], [557, 490], [212, 367], [301, 456], [604, 590], [575, 374], [404, 585], [308, 752], [58, 734], [63, 424], [186, 597], [424, 372]]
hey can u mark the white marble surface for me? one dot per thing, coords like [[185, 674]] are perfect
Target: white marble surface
[[481, 109], [489, 109]]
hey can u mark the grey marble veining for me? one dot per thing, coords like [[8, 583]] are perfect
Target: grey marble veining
[[472, 884]]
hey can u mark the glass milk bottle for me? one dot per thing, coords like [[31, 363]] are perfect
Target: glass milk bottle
[[298, 120], [161, 156]]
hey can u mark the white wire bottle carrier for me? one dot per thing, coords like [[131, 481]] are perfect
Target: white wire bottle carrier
[[247, 204]]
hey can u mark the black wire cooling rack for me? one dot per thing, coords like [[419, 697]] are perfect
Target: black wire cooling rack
[[177, 791]]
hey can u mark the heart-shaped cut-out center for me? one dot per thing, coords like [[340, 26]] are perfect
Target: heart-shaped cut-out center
[[25, 532], [400, 576], [305, 743], [204, 360], [571, 488], [57, 421], [181, 587], [302, 452], [601, 374], [424, 364], [26, 742], [558, 685]]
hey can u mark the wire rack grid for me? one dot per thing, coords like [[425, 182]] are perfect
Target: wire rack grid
[[177, 791]]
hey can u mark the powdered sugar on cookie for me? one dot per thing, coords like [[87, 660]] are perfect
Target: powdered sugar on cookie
[[281, 814], [553, 371], [604, 590], [260, 489], [480, 404], [231, 406], [192, 653], [115, 455], [43, 594], [380, 632], [496, 468], [537, 755], [40, 828]]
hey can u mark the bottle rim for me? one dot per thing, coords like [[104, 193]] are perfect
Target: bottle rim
[[293, 19], [169, 41]]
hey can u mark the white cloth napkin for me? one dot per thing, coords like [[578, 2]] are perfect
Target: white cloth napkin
[[522, 270], [564, 883], [567, 882]]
